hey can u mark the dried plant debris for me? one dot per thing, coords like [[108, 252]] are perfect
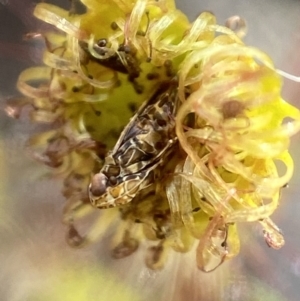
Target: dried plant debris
[[199, 153]]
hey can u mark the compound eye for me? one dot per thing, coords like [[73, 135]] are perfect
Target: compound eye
[[98, 184]]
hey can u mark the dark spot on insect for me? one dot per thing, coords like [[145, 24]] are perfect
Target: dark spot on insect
[[152, 76], [143, 123], [145, 157], [159, 145], [113, 170], [102, 42], [151, 111], [75, 71], [113, 180], [285, 185], [163, 101], [138, 221], [90, 76], [161, 122], [132, 106], [196, 66], [114, 26], [98, 113]]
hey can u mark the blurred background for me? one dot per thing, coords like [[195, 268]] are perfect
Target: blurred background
[[35, 261]]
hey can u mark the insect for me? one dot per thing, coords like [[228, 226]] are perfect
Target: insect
[[144, 143], [123, 60]]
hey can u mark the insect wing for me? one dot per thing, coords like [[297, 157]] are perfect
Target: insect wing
[[134, 127], [127, 190], [140, 149]]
